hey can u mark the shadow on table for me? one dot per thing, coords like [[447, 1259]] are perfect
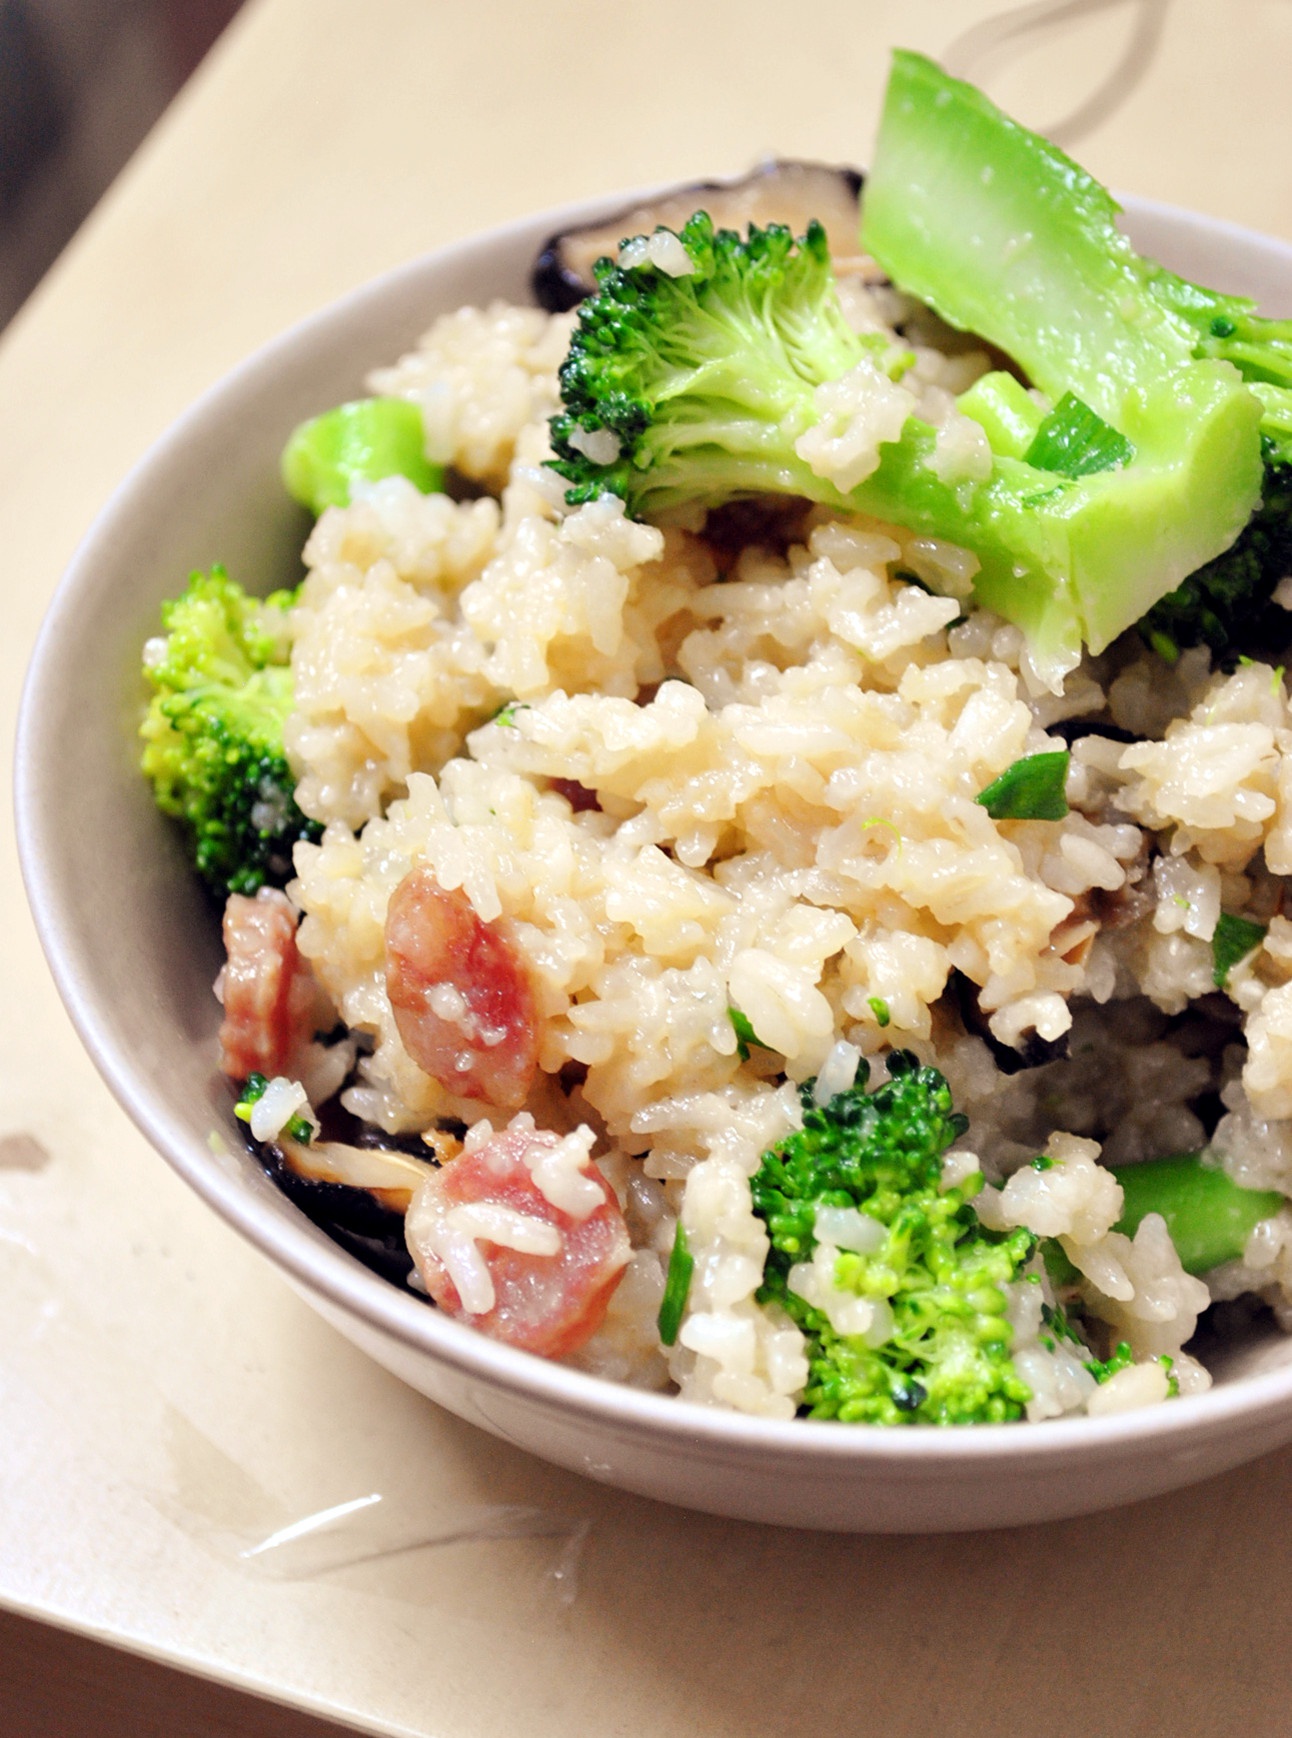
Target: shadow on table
[[1169, 1617], [617, 1615], [55, 1685]]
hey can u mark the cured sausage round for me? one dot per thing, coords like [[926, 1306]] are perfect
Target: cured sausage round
[[549, 1296], [462, 999]]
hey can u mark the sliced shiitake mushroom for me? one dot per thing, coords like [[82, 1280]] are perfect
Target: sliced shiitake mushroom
[[1032, 1051], [358, 1194], [353, 1217], [1073, 729], [392, 1177], [775, 192]]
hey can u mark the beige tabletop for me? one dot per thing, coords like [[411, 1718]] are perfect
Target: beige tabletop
[[170, 1414]]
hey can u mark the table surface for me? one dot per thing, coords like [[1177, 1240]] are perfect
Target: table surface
[[168, 1409]]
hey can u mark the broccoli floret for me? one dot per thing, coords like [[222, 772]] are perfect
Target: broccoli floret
[[213, 732], [937, 1278], [697, 388]]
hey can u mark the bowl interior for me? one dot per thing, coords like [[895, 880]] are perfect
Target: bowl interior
[[136, 973]]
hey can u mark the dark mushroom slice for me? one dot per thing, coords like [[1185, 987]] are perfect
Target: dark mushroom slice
[[1073, 729], [354, 1191], [1033, 1051], [775, 192], [355, 1218], [389, 1177]]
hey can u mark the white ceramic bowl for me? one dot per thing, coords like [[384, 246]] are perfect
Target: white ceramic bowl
[[136, 975]]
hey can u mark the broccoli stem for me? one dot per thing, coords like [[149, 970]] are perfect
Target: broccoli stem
[[1082, 559], [362, 441], [1004, 236], [1005, 411], [1209, 1217], [1207, 1214]]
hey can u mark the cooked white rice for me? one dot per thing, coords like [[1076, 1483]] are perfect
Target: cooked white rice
[[785, 765]]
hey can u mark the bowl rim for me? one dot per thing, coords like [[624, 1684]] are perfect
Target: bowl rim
[[324, 1269]]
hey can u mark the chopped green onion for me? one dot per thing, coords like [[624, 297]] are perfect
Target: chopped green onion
[[506, 714], [880, 1009], [1055, 1317], [1030, 790], [1057, 1265], [745, 1034], [1233, 939], [1076, 442], [253, 1088], [681, 1265], [878, 821], [1042, 1162]]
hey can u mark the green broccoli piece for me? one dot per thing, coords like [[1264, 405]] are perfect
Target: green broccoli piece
[[938, 1270], [1119, 1359], [695, 389], [1208, 1215], [362, 441], [1003, 235], [1032, 789], [703, 382], [1228, 329], [1225, 604], [1228, 604], [213, 732]]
